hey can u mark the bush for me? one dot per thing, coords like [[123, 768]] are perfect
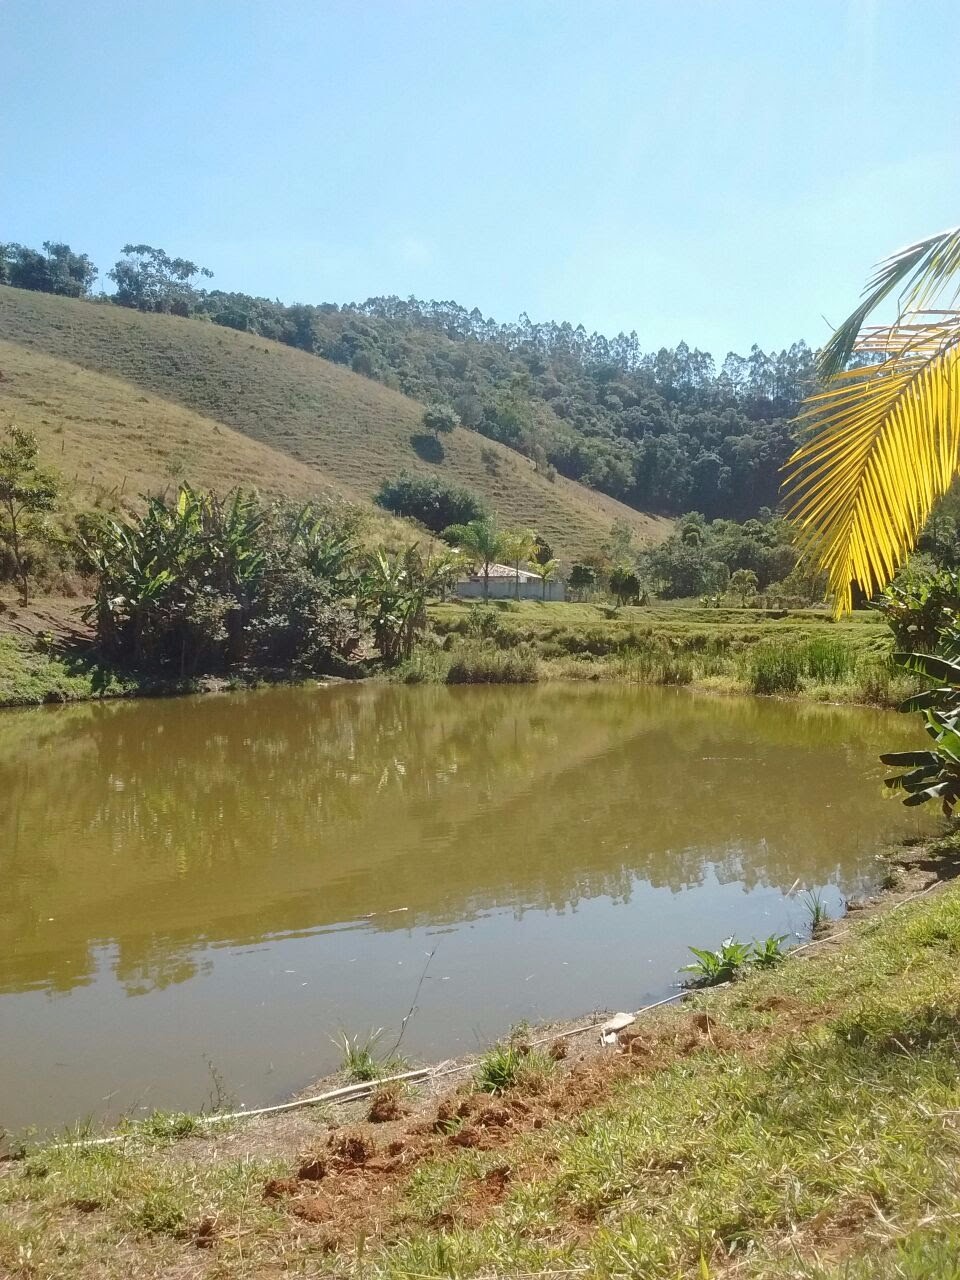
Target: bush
[[429, 500]]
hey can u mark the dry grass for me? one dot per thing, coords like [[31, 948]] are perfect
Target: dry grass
[[306, 422]]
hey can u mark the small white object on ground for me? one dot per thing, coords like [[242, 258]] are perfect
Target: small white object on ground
[[608, 1032]]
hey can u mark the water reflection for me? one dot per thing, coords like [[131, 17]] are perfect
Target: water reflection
[[138, 840]]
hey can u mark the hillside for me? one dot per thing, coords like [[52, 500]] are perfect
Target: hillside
[[134, 401]]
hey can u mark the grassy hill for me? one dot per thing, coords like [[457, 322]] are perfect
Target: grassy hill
[[124, 401]]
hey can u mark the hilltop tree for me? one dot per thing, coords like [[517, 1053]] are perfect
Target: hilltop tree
[[27, 492], [57, 270], [482, 542], [150, 280]]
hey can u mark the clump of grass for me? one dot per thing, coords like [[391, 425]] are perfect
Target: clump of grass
[[483, 665], [512, 1064], [775, 669], [161, 1211], [166, 1126], [829, 660], [816, 910], [360, 1061]]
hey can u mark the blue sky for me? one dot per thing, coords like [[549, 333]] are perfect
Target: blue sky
[[722, 171]]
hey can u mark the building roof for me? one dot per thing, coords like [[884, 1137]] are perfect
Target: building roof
[[505, 571]]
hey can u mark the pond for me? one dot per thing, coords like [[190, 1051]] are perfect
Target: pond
[[208, 890]]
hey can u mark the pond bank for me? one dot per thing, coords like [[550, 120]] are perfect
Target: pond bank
[[795, 654], [800, 1117]]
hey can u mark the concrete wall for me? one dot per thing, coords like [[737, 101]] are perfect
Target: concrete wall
[[505, 589]]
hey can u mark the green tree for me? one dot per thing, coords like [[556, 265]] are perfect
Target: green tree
[[430, 500], [518, 544], [482, 542], [57, 270], [150, 280], [625, 584], [743, 583], [28, 491], [547, 570], [440, 419], [583, 578]]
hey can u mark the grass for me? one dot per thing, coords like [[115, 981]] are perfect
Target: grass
[[509, 1065], [770, 1148], [30, 675], [808, 1130], [124, 401], [787, 653], [817, 910], [359, 1059]]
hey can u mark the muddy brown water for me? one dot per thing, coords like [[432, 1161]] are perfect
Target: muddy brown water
[[210, 889]]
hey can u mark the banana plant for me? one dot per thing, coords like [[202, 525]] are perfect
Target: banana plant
[[935, 774]]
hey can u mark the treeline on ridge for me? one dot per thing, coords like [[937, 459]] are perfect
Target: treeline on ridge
[[666, 431]]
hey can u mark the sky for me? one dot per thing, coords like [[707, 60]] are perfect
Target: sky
[[719, 171]]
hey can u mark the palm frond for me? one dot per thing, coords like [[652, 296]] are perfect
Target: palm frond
[[885, 446], [922, 269]]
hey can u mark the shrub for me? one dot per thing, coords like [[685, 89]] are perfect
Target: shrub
[[429, 500]]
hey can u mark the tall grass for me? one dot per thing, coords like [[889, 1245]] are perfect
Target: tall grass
[[482, 664], [775, 669]]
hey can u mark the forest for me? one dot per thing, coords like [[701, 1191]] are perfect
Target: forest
[[668, 431]]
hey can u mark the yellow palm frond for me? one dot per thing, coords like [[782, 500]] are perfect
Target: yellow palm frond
[[884, 447], [922, 271]]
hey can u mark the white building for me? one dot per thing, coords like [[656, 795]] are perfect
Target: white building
[[503, 585]]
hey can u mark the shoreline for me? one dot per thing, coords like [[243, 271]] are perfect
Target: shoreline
[[415, 1172], [915, 867]]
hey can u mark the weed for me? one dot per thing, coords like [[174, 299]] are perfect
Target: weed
[[509, 1065], [768, 953], [166, 1126], [726, 964], [816, 910], [360, 1062]]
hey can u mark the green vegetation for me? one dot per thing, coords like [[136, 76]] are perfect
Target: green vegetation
[[663, 431], [732, 959], [28, 492], [782, 652], [816, 909], [360, 1061], [429, 500], [126, 402], [511, 1064], [204, 584]]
